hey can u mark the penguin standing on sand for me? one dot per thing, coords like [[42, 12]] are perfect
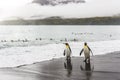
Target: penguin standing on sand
[[67, 52], [87, 51]]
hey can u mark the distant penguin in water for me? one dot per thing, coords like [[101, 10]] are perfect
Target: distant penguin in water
[[67, 52], [87, 51]]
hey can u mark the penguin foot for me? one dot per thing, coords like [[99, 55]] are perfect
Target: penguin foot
[[87, 61], [84, 61]]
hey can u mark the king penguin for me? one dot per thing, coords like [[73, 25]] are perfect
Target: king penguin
[[67, 52], [86, 51]]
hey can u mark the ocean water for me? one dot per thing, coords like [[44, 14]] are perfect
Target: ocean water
[[22, 45], [82, 33]]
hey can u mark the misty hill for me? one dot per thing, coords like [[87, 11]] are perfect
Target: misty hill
[[57, 2], [60, 21]]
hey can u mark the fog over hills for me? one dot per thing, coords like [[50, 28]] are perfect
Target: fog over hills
[[66, 12], [73, 8], [57, 2]]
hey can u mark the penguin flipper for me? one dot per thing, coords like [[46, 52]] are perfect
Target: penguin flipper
[[64, 53], [81, 52]]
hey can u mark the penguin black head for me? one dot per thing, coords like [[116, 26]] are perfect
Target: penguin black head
[[66, 44], [85, 44]]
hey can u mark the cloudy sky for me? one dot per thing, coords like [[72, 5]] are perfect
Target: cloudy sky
[[25, 9], [9, 7]]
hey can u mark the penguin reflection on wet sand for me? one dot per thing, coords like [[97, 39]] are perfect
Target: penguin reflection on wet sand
[[67, 52], [86, 51], [88, 69], [68, 67]]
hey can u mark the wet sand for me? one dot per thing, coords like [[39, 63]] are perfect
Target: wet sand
[[103, 67]]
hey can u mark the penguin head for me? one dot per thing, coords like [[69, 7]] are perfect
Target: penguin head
[[85, 44], [67, 45]]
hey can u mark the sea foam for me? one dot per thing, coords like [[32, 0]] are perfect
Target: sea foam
[[16, 56]]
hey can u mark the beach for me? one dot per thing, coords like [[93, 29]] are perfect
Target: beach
[[102, 67], [36, 53]]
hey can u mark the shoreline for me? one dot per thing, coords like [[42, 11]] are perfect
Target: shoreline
[[102, 67], [80, 57]]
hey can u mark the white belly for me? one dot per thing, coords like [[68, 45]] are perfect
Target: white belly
[[67, 52], [86, 52]]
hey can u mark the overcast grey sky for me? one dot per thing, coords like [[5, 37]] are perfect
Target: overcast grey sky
[[92, 8]]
